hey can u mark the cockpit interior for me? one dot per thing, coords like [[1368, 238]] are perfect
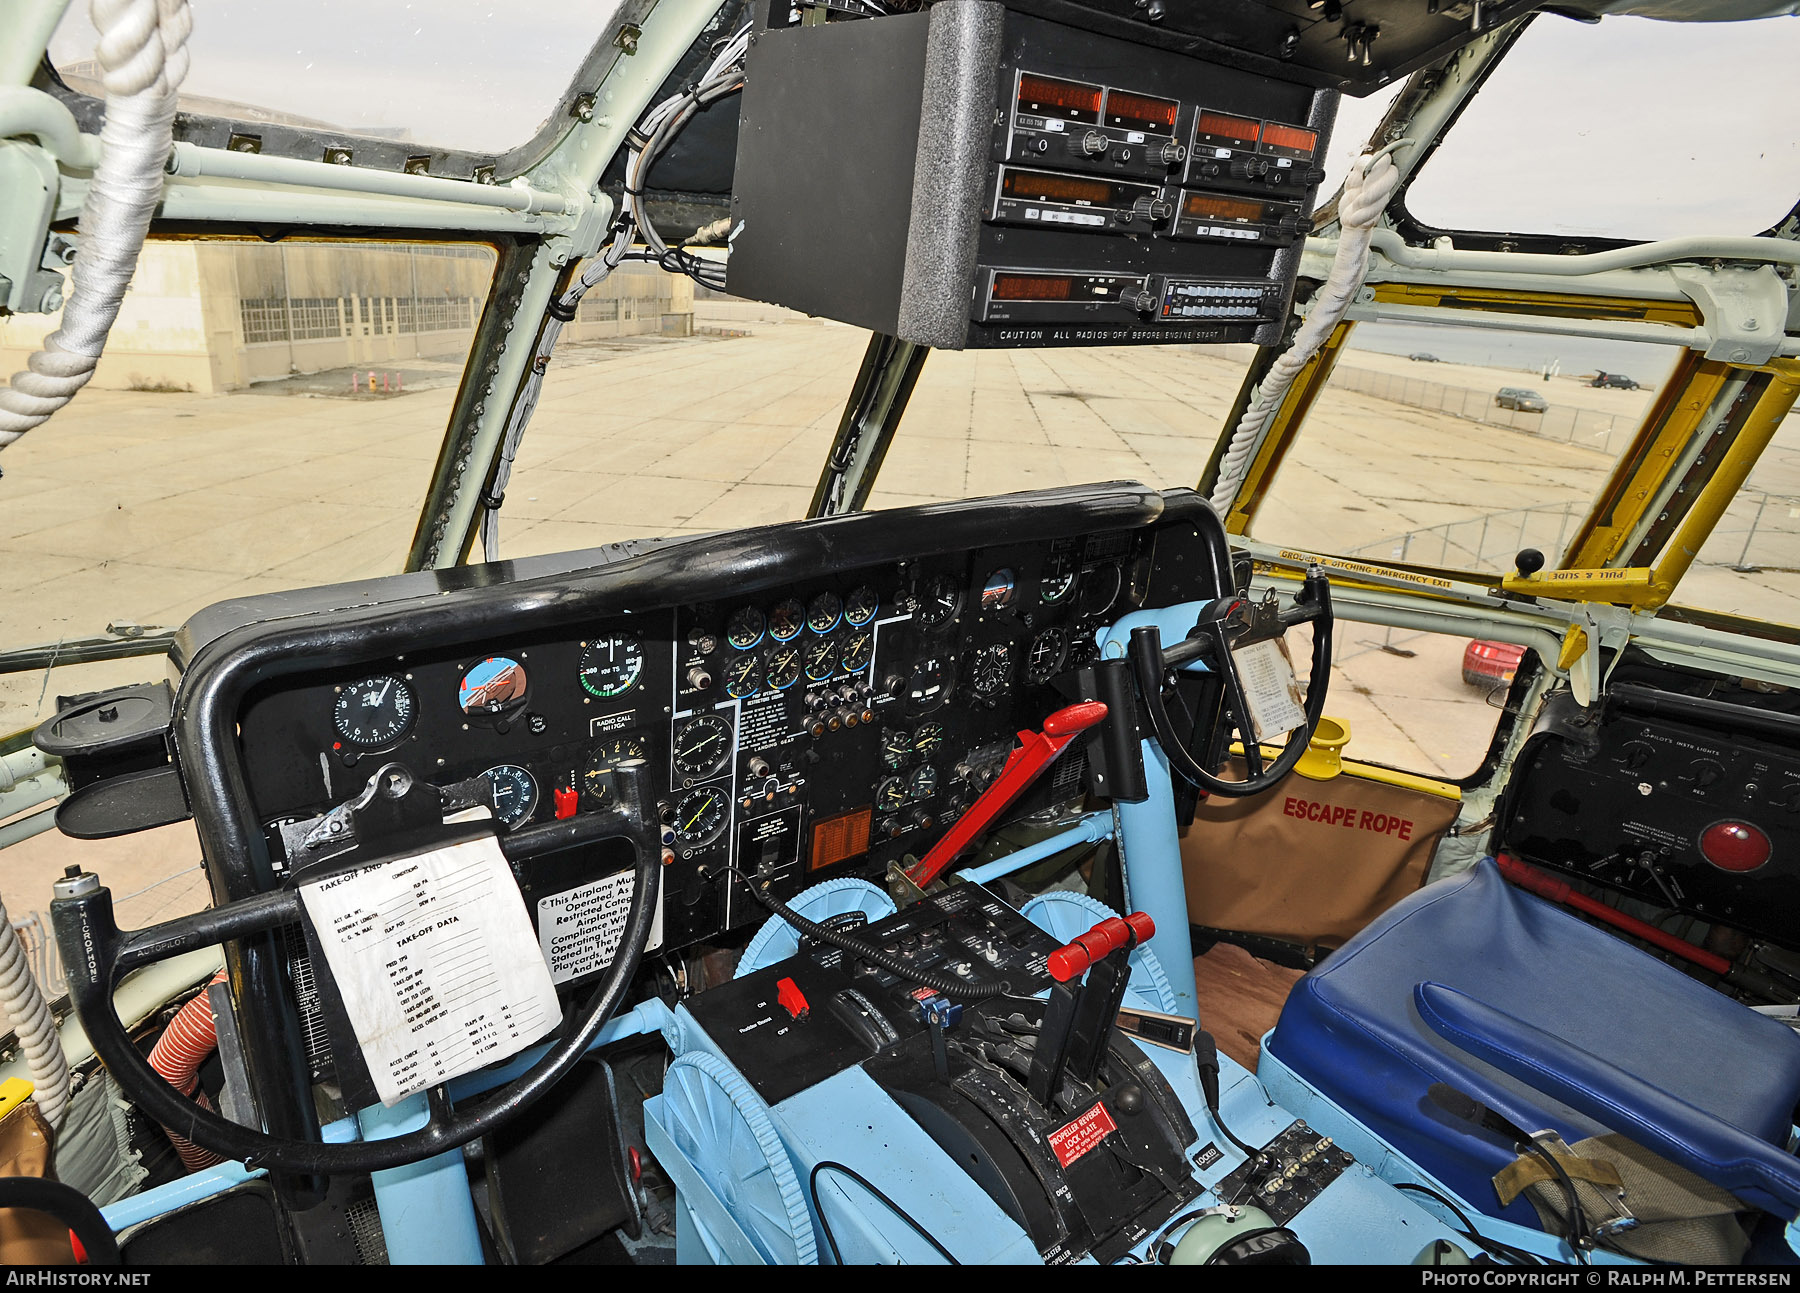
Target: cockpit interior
[[804, 632]]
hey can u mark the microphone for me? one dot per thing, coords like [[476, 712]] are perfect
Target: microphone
[[1465, 1108]]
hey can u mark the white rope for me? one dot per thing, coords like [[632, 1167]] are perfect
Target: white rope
[[142, 50], [24, 1010], [1371, 182]]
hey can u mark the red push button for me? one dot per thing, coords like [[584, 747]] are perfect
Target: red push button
[[566, 801], [788, 993], [1734, 846]]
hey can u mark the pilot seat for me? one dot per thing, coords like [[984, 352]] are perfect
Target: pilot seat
[[1548, 1021]]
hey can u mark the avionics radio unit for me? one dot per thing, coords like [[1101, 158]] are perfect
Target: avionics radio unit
[[971, 176]]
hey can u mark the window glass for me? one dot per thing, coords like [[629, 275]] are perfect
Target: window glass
[[266, 416], [1427, 703], [1458, 447], [1750, 564], [466, 74], [1356, 121], [1628, 128]]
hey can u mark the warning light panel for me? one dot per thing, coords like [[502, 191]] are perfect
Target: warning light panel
[[836, 839], [1045, 96]]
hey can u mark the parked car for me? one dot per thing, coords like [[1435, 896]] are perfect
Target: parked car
[[1520, 399], [1617, 381], [1423, 358], [1486, 663]]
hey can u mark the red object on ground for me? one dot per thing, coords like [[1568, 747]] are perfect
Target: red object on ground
[[178, 1054], [1529, 877], [566, 801], [1485, 661], [792, 1000], [1101, 941], [1036, 751]]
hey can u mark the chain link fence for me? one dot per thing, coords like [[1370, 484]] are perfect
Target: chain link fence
[[1487, 543], [1758, 532], [1605, 433]]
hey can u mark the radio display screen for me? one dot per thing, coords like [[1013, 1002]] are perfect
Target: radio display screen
[[1210, 206], [1032, 287], [1070, 190], [1217, 128], [1065, 100], [1289, 140], [1140, 112]]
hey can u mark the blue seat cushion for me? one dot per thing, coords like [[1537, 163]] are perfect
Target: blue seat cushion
[[1517, 989]]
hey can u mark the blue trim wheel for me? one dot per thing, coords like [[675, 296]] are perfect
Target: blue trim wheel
[[725, 1130]]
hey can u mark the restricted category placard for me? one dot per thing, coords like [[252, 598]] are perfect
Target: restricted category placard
[[434, 958], [579, 929]]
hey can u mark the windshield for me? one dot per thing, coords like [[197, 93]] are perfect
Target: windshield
[[266, 417], [465, 74], [1627, 128]]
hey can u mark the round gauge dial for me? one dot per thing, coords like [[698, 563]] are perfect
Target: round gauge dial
[[823, 612], [926, 688], [821, 659], [743, 675], [861, 605], [494, 686], [942, 598], [923, 783], [786, 620], [1046, 655], [859, 649], [928, 737], [700, 817], [702, 744], [1100, 589], [607, 756], [513, 790], [1058, 577], [890, 795], [745, 628], [610, 666], [374, 711], [782, 667], [997, 592], [992, 669], [896, 749]]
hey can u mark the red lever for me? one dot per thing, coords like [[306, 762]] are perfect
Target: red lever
[[1036, 751], [788, 993], [1073, 958]]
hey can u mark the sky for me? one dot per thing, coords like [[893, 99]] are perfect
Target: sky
[[1630, 128]]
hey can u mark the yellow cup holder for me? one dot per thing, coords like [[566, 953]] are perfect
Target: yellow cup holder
[[1324, 757]]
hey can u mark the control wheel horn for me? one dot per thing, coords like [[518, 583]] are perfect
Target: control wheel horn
[[1224, 625], [96, 953]]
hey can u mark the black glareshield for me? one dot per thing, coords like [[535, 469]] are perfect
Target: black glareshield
[[1220, 625], [96, 953]]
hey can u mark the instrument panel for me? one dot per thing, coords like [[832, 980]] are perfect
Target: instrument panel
[[826, 726]]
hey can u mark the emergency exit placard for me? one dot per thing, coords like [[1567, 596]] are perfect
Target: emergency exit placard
[[437, 964]]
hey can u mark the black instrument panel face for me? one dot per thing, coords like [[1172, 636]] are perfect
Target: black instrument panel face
[[819, 729]]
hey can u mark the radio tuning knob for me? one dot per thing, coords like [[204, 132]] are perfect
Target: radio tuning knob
[[1152, 210], [1143, 301], [1248, 168], [1171, 153], [1092, 144]]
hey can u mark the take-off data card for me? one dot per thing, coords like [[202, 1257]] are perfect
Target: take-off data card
[[1270, 689], [436, 961]]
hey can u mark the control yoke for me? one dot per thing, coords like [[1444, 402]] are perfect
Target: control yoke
[[1224, 626], [96, 953]]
